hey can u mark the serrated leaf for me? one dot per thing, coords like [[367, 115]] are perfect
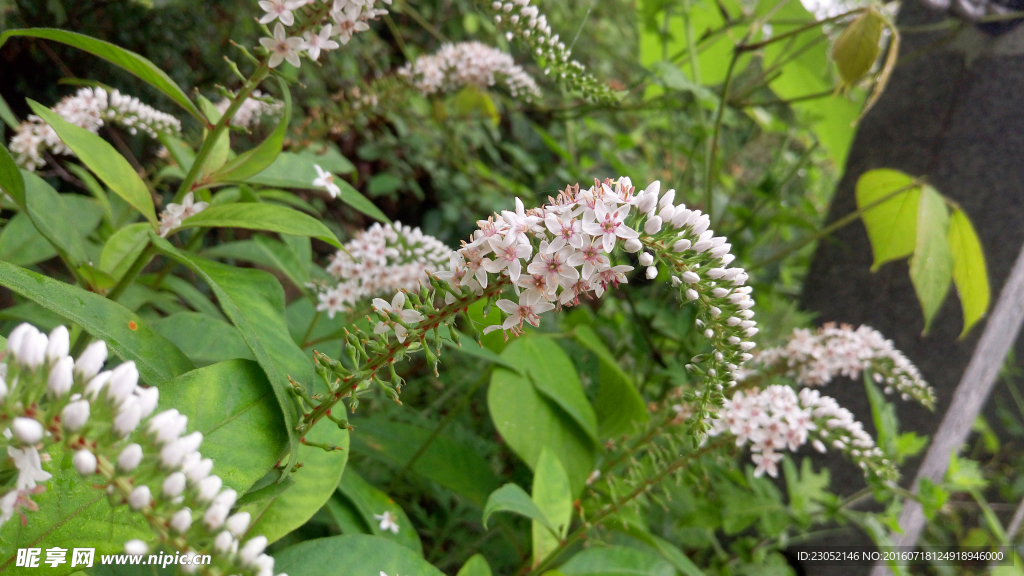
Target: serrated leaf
[[970, 274], [931, 266], [512, 498], [103, 159], [130, 61], [891, 220]]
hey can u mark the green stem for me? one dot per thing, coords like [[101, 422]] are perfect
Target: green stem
[[129, 276], [309, 330], [744, 47]]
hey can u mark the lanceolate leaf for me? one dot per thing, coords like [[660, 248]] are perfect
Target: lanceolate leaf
[[123, 247], [157, 359], [931, 266], [7, 116], [105, 161], [370, 503], [512, 498], [252, 162], [553, 496], [618, 404], [126, 59], [616, 561], [50, 216], [351, 556], [969, 271], [892, 222], [261, 216], [11, 181]]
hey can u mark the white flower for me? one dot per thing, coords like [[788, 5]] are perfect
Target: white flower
[[387, 521], [7, 505], [252, 549], [173, 215], [140, 497], [237, 524], [531, 305], [766, 462], [349, 21], [279, 10], [173, 485], [59, 344], [85, 462], [283, 48], [317, 42], [28, 430], [208, 488], [135, 548], [182, 520], [61, 377], [326, 179], [75, 415], [507, 254], [468, 63], [609, 225], [129, 458]]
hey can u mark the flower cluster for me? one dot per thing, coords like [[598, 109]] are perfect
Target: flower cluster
[[89, 108], [527, 23], [815, 358], [380, 260], [253, 109], [171, 217], [467, 63], [147, 463], [777, 418], [322, 25]]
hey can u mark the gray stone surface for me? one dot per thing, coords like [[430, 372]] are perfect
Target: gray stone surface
[[954, 113]]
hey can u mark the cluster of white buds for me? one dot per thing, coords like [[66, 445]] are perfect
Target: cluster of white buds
[[527, 23], [171, 217], [253, 109], [380, 260], [89, 108], [815, 358], [148, 463], [468, 63], [777, 418], [318, 25]]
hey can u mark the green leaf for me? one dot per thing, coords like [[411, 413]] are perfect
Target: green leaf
[[345, 515], [103, 159], [964, 474], [471, 348], [11, 181], [909, 444], [371, 502], [856, 48], [221, 147], [553, 374], [932, 497], [329, 158], [446, 461], [553, 497], [298, 171], [21, 244], [50, 214], [618, 406], [189, 293], [254, 301], [314, 484], [891, 224], [472, 102], [970, 275], [476, 566], [262, 217], [931, 266], [883, 414], [353, 555], [157, 358], [252, 162], [130, 61], [616, 561], [512, 498], [529, 421], [181, 152], [123, 247], [266, 252], [94, 187], [204, 339], [806, 489], [288, 199], [666, 549], [7, 116]]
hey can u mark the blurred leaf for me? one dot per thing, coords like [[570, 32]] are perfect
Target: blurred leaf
[[157, 358], [931, 266], [909, 444], [252, 162], [807, 489], [512, 498], [964, 474], [474, 102], [123, 247], [446, 461], [616, 561], [130, 61], [202, 338], [371, 502], [328, 157], [476, 566], [883, 414], [618, 405], [7, 116], [553, 496], [181, 152], [931, 496], [103, 159], [11, 180], [891, 224], [856, 48], [970, 274], [351, 556], [21, 244], [266, 252], [261, 217], [50, 214]]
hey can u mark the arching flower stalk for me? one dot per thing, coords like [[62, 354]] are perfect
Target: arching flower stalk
[[89, 108], [815, 358], [378, 262], [529, 262], [525, 22], [468, 63], [147, 463]]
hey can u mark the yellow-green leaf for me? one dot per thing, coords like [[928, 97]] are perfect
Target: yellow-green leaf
[[889, 199], [856, 49], [970, 274], [931, 266]]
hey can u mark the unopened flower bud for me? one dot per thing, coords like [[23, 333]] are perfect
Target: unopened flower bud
[[237, 524], [652, 272], [646, 259], [96, 384], [59, 382], [681, 245], [668, 199], [196, 472], [223, 542], [646, 202], [182, 520], [28, 430], [676, 281], [129, 458], [85, 462], [123, 380], [701, 225], [75, 415], [173, 485], [58, 345], [90, 362], [667, 213], [208, 488], [690, 277], [252, 549], [135, 548], [215, 516], [148, 398], [653, 225], [128, 418], [139, 497], [691, 294], [633, 245], [32, 351]]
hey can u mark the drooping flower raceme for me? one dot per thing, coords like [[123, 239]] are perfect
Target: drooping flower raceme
[[313, 26], [525, 22], [777, 418], [380, 261], [89, 108], [815, 358], [144, 461], [468, 63]]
